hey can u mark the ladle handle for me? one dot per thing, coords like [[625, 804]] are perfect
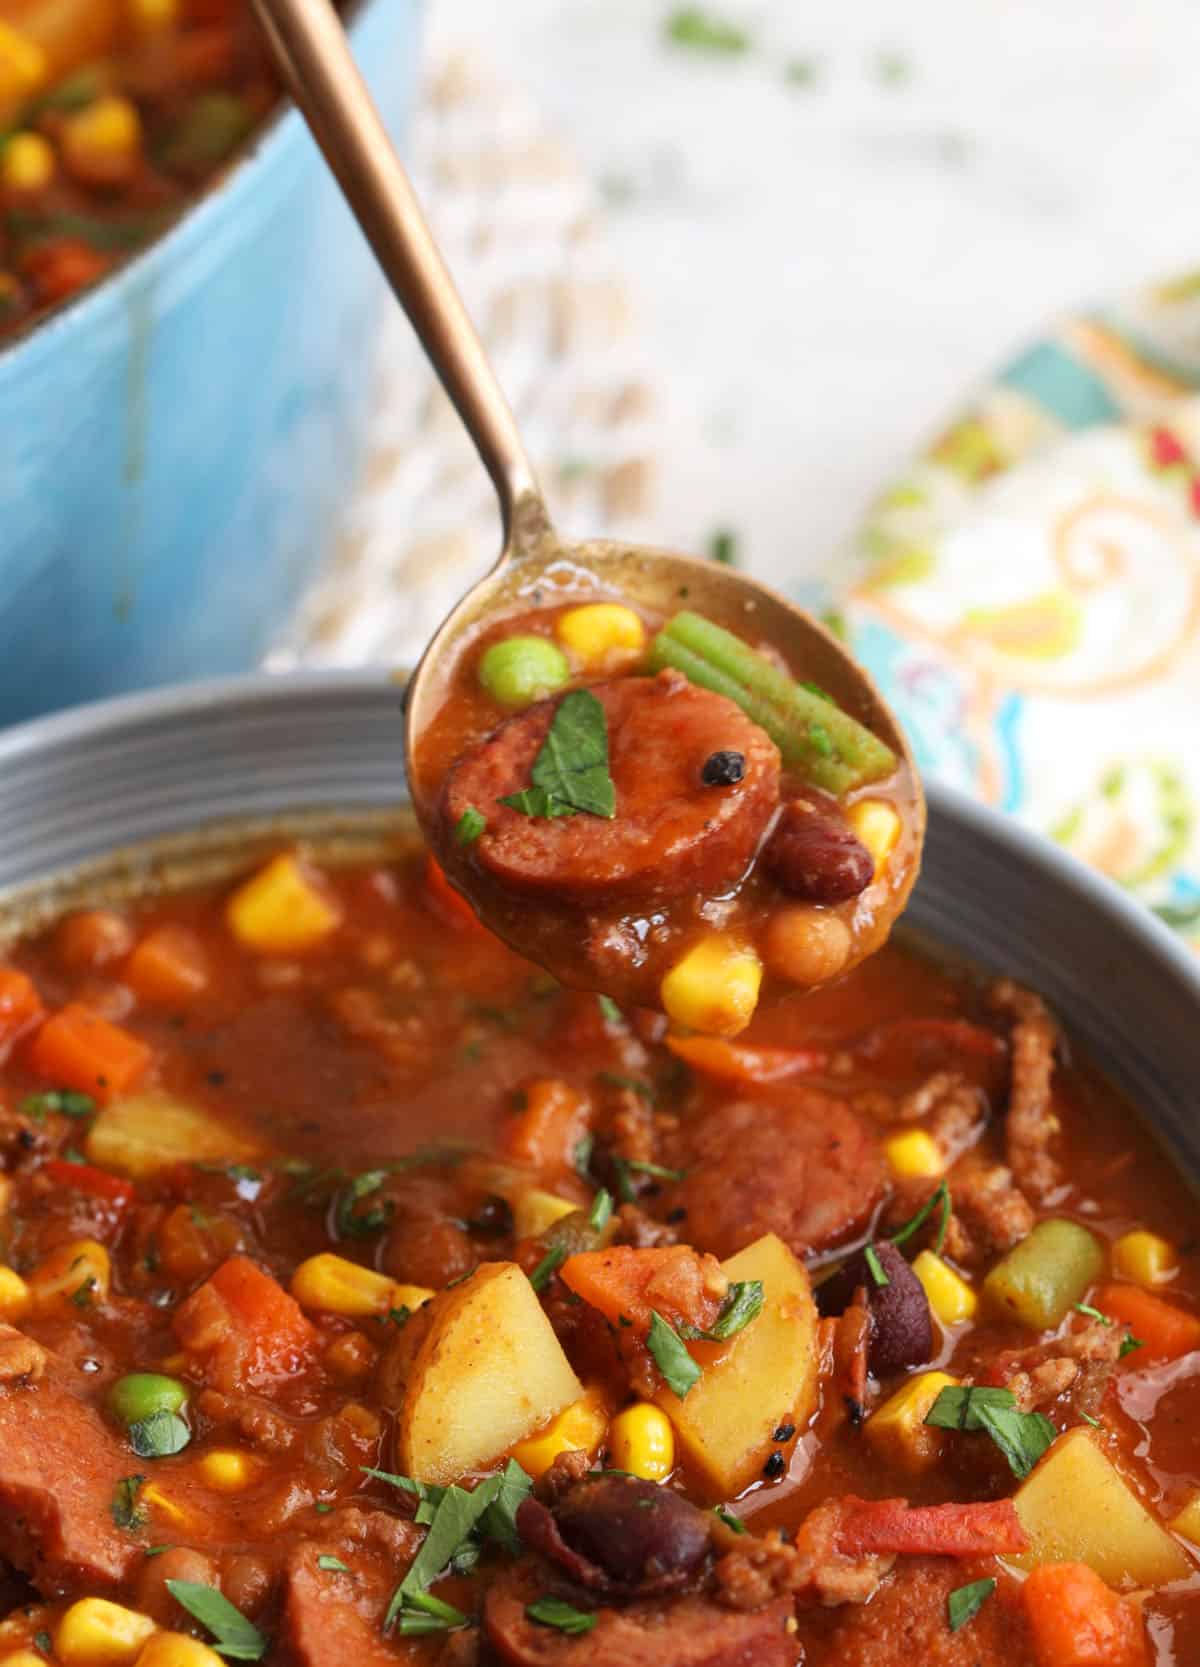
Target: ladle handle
[[314, 58]]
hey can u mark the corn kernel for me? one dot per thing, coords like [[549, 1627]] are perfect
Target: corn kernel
[[714, 988], [97, 1633], [950, 1297], [601, 635], [23, 1658], [411, 1296], [27, 163], [336, 1286], [16, 1299], [162, 1504], [176, 1649], [101, 143], [914, 1155], [642, 1441], [579, 1427], [76, 1274], [1187, 1523], [877, 825], [897, 1430], [24, 66], [281, 910], [534, 1210], [228, 1470], [1144, 1258]]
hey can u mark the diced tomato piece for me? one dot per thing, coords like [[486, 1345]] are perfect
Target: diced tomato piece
[[86, 1178], [1164, 1330], [450, 905], [735, 1062], [1077, 1621], [20, 1005], [76, 1048], [168, 965], [251, 1332], [888, 1527]]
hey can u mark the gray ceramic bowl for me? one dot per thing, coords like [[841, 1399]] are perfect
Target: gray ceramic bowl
[[76, 788]]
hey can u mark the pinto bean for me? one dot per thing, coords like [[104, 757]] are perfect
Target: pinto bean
[[902, 1330], [813, 853]]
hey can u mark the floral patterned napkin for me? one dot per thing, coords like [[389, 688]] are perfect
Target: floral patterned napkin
[[1029, 594]]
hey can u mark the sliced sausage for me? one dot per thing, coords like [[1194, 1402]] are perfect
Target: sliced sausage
[[334, 1619], [802, 1164], [59, 1468], [814, 853], [906, 1621], [682, 1632], [671, 830]]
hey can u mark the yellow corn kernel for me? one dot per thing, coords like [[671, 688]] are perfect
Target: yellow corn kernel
[[641, 1440], [6, 1192], [228, 1469], [78, 1273], [176, 1649], [110, 127], [281, 910], [579, 1427], [601, 635], [1144, 1258], [877, 825], [897, 1430], [16, 1299], [950, 1297], [27, 163], [914, 1155], [1187, 1523], [714, 988], [335, 1286], [97, 1633], [411, 1296], [534, 1210], [23, 1658], [162, 1504], [24, 66]]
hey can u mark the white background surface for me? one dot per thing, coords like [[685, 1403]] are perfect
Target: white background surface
[[821, 270]]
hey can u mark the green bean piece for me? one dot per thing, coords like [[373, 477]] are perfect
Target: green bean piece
[[1042, 1279], [520, 670], [139, 1395]]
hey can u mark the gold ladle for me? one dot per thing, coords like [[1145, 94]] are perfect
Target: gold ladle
[[535, 566]]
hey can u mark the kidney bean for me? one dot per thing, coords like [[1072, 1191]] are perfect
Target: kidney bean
[[814, 854], [902, 1329], [620, 1534]]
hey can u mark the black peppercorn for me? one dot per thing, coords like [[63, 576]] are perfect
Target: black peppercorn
[[785, 1432], [775, 1467], [723, 769]]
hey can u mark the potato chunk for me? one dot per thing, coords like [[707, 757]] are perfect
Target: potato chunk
[[144, 1133], [488, 1373], [1076, 1508], [765, 1377]]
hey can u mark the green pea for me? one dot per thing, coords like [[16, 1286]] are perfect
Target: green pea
[[141, 1394], [523, 669]]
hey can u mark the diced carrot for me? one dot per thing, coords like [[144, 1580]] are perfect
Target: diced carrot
[[168, 965], [86, 1178], [20, 1005], [1164, 1330], [894, 1527], [251, 1331], [547, 1130], [450, 905], [92, 938], [735, 1062], [625, 1284], [78, 1049], [1077, 1621]]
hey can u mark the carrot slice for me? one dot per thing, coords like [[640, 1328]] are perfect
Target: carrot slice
[[735, 1062], [546, 1131], [1164, 1331], [1077, 1621], [20, 1005], [93, 1182], [168, 965], [78, 1049], [251, 1330], [625, 1284], [894, 1527]]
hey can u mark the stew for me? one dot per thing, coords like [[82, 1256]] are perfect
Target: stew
[[661, 810], [368, 1296], [113, 114]]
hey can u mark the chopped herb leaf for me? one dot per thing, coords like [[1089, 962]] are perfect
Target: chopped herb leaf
[[966, 1601], [609, 1010], [1088, 1419], [659, 1171], [548, 1267], [234, 1636], [83, 1297], [499, 1521], [352, 1224], [1129, 1343], [332, 1565], [564, 1617], [125, 1510], [679, 1370], [1021, 1436], [570, 773], [958, 1406], [635, 1085], [722, 547], [160, 1435], [701, 31], [399, 1316], [60, 1100], [1092, 1313], [43, 1641], [322, 1508], [582, 1155], [728, 1518], [743, 1303], [601, 1210], [939, 1197], [450, 1527], [470, 825], [624, 1186], [875, 1266], [157, 1550]]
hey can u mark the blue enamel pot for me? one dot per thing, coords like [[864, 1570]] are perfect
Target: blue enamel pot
[[175, 444]]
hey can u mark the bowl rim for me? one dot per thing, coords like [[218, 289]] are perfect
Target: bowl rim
[[187, 226], [152, 708]]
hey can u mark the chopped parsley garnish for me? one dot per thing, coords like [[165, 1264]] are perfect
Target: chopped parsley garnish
[[352, 1223], [940, 1197], [548, 1267], [43, 1641], [1021, 1436], [965, 1602], [233, 1635], [1088, 1419], [85, 1295], [470, 825], [582, 1156], [322, 1508], [1128, 1343], [728, 1518], [570, 772], [499, 1521], [399, 1317], [635, 1085], [332, 1565], [453, 1521], [160, 1435], [609, 1011], [157, 1550], [875, 1266], [701, 31], [743, 1303], [659, 1171], [125, 1510], [564, 1617], [820, 740], [1092, 1313], [60, 1100], [679, 1370], [722, 547], [601, 1210]]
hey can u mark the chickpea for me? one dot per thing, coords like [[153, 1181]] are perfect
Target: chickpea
[[179, 1562], [806, 945]]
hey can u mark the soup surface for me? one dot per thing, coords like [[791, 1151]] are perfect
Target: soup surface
[[112, 114], [367, 1296]]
